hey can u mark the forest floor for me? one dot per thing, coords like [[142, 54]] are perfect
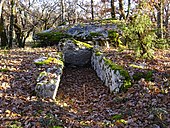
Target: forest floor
[[82, 99]]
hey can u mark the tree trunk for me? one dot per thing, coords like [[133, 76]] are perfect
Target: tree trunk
[[160, 19], [63, 11], [3, 36], [26, 36], [128, 10], [3, 40], [92, 10], [167, 15], [113, 10], [1, 5], [121, 8], [20, 36], [11, 27]]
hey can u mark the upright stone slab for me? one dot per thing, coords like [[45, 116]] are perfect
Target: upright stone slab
[[75, 53], [49, 79], [112, 75]]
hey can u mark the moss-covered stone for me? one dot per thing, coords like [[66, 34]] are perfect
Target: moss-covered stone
[[123, 72], [111, 21], [50, 60], [82, 44], [50, 38], [60, 54]]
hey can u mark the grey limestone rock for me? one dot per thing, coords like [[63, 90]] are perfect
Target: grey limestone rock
[[111, 78], [48, 80], [73, 54], [83, 31]]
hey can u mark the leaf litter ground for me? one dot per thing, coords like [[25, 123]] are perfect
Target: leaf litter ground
[[82, 99]]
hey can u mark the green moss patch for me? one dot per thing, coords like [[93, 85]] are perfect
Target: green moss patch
[[95, 34], [40, 63], [111, 21], [123, 72], [50, 38], [136, 66], [146, 75], [82, 44], [50, 60], [117, 117], [98, 53], [4, 70]]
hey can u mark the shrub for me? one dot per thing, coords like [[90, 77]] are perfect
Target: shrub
[[140, 35]]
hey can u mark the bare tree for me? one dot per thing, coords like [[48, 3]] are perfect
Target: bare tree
[[121, 9], [11, 27], [113, 10], [63, 15], [92, 10], [72, 15], [3, 38], [1, 5], [167, 15], [128, 10], [160, 10]]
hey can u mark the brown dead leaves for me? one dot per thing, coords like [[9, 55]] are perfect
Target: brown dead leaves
[[82, 99]]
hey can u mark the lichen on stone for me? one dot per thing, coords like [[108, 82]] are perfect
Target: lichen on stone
[[50, 38]]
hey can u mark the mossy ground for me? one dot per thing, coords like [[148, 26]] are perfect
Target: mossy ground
[[146, 75]]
